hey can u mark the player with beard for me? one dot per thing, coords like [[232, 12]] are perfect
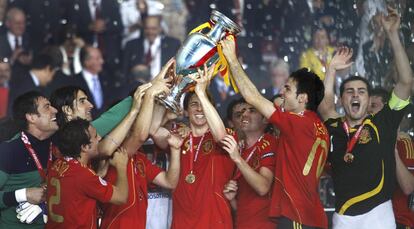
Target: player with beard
[[302, 147], [254, 156]]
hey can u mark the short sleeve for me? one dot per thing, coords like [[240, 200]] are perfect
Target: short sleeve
[[95, 187]]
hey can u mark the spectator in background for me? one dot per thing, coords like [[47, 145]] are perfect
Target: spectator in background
[[99, 24], [153, 49], [14, 44], [317, 57], [278, 73], [70, 46], [132, 12], [5, 75], [93, 80], [378, 97], [43, 21], [37, 78]]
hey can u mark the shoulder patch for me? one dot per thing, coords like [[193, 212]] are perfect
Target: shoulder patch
[[270, 154]]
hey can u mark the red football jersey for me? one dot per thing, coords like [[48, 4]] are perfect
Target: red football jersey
[[72, 193], [301, 155], [402, 213], [133, 214], [202, 204], [252, 209]]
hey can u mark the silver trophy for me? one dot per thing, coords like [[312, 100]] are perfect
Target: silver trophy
[[197, 49]]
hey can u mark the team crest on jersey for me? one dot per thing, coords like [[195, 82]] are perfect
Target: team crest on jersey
[[60, 167], [139, 168], [365, 136], [186, 147], [320, 129], [207, 146]]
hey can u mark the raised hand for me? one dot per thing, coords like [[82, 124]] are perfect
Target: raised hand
[[341, 59], [138, 94], [202, 78], [167, 73], [175, 141], [232, 148], [229, 48], [391, 22], [230, 190], [120, 158]]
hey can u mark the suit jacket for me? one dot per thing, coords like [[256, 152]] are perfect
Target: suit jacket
[[43, 20], [80, 81], [134, 52], [5, 48], [20, 84], [80, 16]]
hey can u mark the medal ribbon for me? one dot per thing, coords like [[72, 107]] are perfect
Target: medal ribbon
[[351, 143], [192, 158], [33, 154], [238, 173]]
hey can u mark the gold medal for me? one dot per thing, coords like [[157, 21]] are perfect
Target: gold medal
[[190, 178], [348, 158]]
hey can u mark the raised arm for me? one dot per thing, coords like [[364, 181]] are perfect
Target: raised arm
[[246, 87], [142, 125], [170, 178], [113, 140], [340, 60], [216, 125], [391, 24], [140, 132]]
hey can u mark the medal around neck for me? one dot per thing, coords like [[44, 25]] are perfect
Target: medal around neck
[[190, 178]]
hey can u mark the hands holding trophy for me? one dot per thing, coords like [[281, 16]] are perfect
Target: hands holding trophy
[[197, 50]]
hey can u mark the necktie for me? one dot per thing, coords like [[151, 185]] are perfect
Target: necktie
[[16, 42], [99, 37], [148, 57], [97, 92]]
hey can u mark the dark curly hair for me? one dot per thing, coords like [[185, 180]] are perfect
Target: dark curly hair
[[64, 97], [72, 136]]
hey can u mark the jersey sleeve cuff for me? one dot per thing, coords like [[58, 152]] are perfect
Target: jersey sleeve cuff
[[396, 103], [10, 198]]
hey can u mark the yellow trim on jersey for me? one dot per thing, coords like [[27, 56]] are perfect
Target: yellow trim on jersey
[[369, 123], [364, 196], [408, 148], [396, 103]]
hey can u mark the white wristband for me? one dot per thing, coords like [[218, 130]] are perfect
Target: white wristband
[[20, 195]]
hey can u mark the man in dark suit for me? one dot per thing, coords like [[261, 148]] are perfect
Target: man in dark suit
[[14, 43], [99, 24], [278, 74], [43, 20], [40, 75], [93, 81], [153, 49]]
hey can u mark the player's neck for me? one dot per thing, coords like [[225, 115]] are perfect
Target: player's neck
[[198, 131], [354, 122], [41, 135], [253, 137], [83, 159]]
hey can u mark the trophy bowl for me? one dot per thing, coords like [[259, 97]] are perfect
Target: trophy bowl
[[198, 49]]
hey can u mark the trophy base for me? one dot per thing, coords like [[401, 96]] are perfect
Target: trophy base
[[171, 105]]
